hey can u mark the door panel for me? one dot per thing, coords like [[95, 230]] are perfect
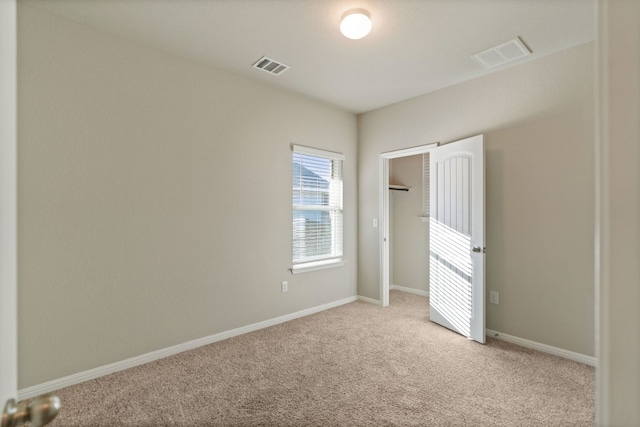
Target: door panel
[[456, 286], [8, 265]]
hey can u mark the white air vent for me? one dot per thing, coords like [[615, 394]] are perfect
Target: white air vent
[[501, 54], [270, 66]]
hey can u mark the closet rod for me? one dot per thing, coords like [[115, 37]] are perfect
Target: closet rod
[[398, 188]]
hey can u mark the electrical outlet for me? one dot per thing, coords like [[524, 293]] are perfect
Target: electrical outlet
[[375, 222], [285, 286], [494, 297]]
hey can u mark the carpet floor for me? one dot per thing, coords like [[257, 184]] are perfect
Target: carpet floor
[[354, 365]]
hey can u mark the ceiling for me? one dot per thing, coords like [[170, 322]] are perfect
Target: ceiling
[[415, 46]]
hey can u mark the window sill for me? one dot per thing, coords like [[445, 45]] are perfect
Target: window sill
[[317, 265]]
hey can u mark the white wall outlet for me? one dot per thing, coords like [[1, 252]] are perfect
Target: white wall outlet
[[285, 286], [494, 297], [375, 222]]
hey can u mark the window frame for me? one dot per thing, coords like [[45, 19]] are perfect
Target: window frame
[[335, 261]]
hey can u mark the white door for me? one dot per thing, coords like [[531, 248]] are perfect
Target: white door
[[8, 353], [456, 226], [42, 409]]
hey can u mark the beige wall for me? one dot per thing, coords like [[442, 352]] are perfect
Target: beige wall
[[537, 119], [155, 199], [409, 235]]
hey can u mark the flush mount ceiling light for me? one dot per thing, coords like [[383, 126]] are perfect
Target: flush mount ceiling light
[[355, 24]]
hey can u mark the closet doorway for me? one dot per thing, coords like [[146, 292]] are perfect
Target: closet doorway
[[408, 224]]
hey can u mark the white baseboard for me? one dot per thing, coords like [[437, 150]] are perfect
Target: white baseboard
[[576, 357], [91, 374], [409, 290], [369, 300]]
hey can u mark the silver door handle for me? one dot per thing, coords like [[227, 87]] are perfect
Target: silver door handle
[[42, 410]]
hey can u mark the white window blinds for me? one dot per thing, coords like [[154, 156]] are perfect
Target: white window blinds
[[317, 205]]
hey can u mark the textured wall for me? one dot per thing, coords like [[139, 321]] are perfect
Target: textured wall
[[155, 199], [538, 122]]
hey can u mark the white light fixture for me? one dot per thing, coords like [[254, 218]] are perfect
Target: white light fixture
[[355, 24]]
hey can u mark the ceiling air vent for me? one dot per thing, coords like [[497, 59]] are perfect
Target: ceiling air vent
[[501, 54], [270, 66]]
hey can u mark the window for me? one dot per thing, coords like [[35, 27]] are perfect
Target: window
[[317, 209]]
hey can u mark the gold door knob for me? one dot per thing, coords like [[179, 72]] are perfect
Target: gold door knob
[[42, 410]]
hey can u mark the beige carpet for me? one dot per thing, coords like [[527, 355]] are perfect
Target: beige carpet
[[355, 365]]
